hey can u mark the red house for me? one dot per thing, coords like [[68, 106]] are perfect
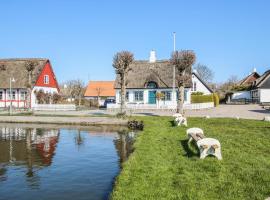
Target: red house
[[18, 75]]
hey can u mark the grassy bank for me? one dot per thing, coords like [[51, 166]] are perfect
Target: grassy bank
[[163, 166]]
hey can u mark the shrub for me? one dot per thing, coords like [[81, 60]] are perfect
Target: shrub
[[135, 125], [197, 93], [216, 99], [202, 98]]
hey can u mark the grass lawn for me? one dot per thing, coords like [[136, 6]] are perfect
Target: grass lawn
[[163, 166]]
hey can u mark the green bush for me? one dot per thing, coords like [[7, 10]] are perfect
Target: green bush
[[202, 98], [197, 93], [216, 99]]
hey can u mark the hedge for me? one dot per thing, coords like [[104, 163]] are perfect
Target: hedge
[[195, 98], [216, 99], [202, 98]]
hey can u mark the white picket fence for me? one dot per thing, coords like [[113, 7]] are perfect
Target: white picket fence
[[54, 107], [139, 106]]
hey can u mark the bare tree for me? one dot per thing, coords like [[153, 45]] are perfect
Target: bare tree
[[183, 61], [74, 89], [204, 72], [30, 66], [121, 63], [78, 88], [99, 91]]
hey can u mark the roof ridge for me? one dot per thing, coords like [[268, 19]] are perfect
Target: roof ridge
[[23, 59]]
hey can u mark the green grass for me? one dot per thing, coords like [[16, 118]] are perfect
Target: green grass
[[163, 166]]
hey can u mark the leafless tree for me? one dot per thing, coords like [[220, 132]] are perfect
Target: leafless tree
[[99, 91], [183, 61], [121, 63], [204, 72], [30, 66], [74, 89]]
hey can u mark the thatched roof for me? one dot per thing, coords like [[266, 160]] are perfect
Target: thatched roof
[[15, 68], [160, 72], [263, 81]]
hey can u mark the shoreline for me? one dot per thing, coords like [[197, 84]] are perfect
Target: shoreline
[[81, 121]]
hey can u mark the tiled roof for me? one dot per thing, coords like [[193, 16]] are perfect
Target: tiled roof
[[100, 88]]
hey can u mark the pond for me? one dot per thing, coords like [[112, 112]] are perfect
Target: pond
[[38, 162]]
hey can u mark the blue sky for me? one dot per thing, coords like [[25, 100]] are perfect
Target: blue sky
[[80, 37]]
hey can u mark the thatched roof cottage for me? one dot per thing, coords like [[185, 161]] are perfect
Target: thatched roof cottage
[[149, 77], [17, 75], [260, 91]]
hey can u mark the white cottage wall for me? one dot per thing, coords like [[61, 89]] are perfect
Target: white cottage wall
[[200, 87]]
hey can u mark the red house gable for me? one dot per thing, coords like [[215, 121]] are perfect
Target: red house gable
[[47, 77]]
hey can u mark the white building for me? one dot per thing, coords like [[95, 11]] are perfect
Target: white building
[[148, 78], [260, 91]]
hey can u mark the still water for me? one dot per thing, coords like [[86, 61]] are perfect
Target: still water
[[60, 163]]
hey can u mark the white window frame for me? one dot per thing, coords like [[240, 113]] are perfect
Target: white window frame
[[46, 79], [23, 95], [138, 96]]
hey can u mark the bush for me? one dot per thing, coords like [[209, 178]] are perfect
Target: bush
[[197, 93], [135, 125], [202, 98], [216, 99]]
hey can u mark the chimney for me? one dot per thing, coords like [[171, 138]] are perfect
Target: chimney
[[152, 57], [254, 69]]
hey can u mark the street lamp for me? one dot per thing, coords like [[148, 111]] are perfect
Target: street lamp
[[174, 94], [10, 94]]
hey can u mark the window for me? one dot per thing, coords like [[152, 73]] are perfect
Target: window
[[13, 93], [254, 94], [185, 95], [23, 95], [138, 95], [1, 95], [151, 85], [46, 79], [127, 96], [167, 95], [195, 86]]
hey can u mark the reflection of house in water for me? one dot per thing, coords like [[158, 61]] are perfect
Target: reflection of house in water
[[124, 145], [34, 147]]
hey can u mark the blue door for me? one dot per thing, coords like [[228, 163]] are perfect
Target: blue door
[[152, 97]]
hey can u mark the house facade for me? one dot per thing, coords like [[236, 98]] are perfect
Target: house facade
[[198, 85], [246, 82], [260, 90], [15, 80], [100, 90], [149, 78]]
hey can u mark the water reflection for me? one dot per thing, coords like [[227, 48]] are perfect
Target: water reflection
[[32, 148], [45, 159], [124, 144]]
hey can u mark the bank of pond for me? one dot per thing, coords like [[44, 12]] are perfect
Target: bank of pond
[[52, 162]]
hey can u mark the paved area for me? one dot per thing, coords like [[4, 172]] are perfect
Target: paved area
[[250, 111], [233, 111], [242, 111]]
